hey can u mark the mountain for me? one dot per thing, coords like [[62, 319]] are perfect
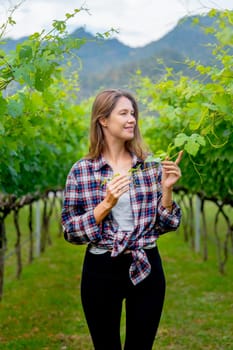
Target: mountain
[[187, 39], [109, 63], [100, 55], [112, 64]]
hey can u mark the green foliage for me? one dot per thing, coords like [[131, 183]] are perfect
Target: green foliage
[[196, 115], [42, 134], [42, 129]]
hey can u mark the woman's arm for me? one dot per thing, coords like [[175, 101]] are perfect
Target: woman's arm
[[115, 189], [168, 211], [82, 226], [79, 225], [170, 175]]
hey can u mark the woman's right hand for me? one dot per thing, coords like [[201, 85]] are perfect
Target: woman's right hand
[[115, 188]]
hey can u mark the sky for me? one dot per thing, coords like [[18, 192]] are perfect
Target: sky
[[138, 22]]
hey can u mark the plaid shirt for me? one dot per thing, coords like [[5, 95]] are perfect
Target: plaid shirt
[[86, 188]]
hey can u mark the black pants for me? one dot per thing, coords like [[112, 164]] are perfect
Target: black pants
[[105, 284]]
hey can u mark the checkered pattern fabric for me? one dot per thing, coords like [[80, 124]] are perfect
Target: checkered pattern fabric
[[86, 187]]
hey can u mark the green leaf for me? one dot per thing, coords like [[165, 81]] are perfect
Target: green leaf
[[2, 129], [223, 103], [3, 106], [25, 52], [180, 140], [60, 26], [198, 138], [15, 108], [192, 147]]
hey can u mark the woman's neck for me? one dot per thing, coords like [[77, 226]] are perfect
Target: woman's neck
[[118, 158]]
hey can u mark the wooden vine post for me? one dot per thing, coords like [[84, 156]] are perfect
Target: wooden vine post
[[2, 254]]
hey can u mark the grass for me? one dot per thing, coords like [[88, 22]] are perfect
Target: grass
[[198, 311], [42, 310]]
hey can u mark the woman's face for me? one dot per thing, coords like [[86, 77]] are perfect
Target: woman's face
[[121, 122]]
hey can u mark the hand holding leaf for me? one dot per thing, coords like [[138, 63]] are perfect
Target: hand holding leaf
[[171, 171]]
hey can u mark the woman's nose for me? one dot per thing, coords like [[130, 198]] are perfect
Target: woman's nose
[[131, 118]]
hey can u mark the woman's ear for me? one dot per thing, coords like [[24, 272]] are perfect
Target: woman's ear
[[103, 121]]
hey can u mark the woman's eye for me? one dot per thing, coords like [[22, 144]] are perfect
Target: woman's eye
[[126, 113]]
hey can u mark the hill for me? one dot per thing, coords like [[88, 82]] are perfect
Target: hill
[[112, 63], [108, 62]]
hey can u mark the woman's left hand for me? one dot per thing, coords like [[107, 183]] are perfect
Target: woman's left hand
[[171, 171]]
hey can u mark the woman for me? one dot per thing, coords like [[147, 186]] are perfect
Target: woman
[[118, 203]]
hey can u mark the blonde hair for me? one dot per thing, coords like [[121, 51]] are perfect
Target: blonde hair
[[102, 107]]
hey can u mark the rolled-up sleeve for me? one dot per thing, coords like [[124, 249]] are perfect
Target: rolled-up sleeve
[[166, 220], [79, 226]]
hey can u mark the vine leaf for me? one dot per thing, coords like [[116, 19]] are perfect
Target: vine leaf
[[191, 143]]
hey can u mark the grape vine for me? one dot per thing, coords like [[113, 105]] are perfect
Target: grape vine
[[194, 113]]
